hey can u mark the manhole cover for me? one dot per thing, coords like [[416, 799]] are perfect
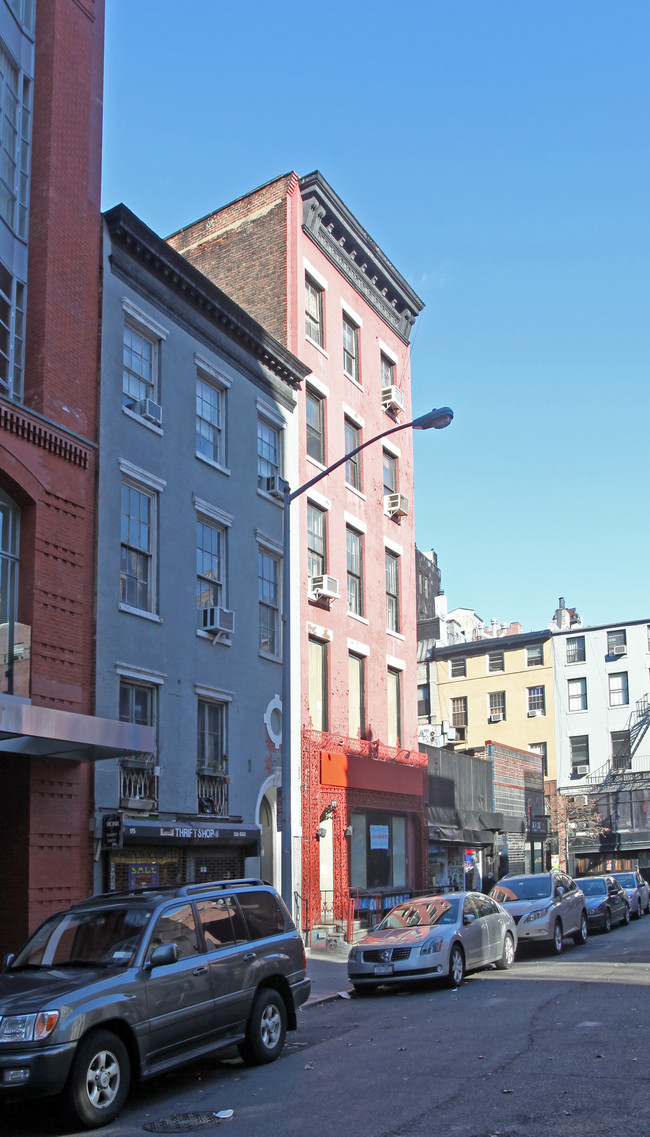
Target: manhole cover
[[182, 1123]]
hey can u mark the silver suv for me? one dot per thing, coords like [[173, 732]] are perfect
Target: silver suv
[[545, 906], [135, 983]]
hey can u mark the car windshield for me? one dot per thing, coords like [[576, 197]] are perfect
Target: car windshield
[[626, 878], [422, 914], [523, 888], [592, 887], [107, 937]]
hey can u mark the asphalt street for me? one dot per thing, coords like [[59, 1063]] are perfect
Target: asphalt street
[[555, 1047]]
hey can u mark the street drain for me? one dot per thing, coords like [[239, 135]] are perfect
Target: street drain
[[182, 1123]]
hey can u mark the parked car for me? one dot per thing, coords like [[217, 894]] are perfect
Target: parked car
[[134, 984], [546, 907], [638, 891], [434, 937], [607, 902]]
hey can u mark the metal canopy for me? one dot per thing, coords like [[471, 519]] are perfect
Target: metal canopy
[[41, 732]]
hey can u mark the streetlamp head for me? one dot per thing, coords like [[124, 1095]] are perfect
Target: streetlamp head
[[438, 418]]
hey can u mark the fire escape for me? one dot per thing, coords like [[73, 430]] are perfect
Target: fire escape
[[623, 771]]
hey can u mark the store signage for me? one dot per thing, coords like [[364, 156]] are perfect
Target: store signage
[[379, 837], [112, 831]]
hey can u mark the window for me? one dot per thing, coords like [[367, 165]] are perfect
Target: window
[[15, 131], [577, 694], [394, 707], [387, 371], [222, 922], [621, 750], [139, 358], [392, 592], [264, 916], [618, 690], [25, 11], [315, 409], [536, 700], [350, 349], [617, 642], [210, 564], [497, 704], [177, 926], [390, 473], [496, 661], [458, 668], [318, 685], [137, 537], [14, 676], [352, 465], [210, 421], [12, 335], [575, 649], [268, 575], [314, 311], [459, 716], [136, 703], [268, 451], [355, 571], [424, 702], [541, 748], [356, 696], [535, 655], [579, 746], [212, 737], [316, 545]]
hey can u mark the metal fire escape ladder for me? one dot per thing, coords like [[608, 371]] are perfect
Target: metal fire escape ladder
[[607, 776]]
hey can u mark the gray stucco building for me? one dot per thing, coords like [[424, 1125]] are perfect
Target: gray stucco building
[[196, 420]]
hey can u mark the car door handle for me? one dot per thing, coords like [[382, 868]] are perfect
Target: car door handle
[[249, 955], [199, 970]]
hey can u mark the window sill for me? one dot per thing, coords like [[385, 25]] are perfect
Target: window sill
[[395, 635], [357, 493], [153, 616], [361, 619], [356, 382], [315, 462], [143, 421], [314, 343], [215, 465], [271, 658], [277, 501]]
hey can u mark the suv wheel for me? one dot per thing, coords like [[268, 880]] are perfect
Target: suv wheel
[[580, 937], [558, 939], [266, 1028], [99, 1079]]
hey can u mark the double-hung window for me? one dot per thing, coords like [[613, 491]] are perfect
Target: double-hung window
[[535, 655], [394, 706], [496, 661], [387, 371], [355, 571], [617, 642], [314, 311], [350, 348], [315, 412], [210, 564], [579, 746], [577, 694], [268, 580], [459, 716], [210, 419], [268, 451], [458, 667], [497, 704], [390, 473], [15, 140], [138, 367], [536, 700], [392, 592], [137, 578], [318, 684], [316, 540], [212, 736], [12, 335], [356, 695], [575, 649], [136, 703], [352, 465], [618, 690]]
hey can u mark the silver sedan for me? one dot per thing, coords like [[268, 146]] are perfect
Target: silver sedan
[[432, 937]]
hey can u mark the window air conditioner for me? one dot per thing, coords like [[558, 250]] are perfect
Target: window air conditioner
[[451, 733], [325, 586], [396, 504], [392, 398], [534, 714], [495, 718], [150, 410], [275, 486], [580, 770], [619, 649], [217, 620]]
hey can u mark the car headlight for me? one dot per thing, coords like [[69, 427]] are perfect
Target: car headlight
[[28, 1028], [430, 947], [541, 915]]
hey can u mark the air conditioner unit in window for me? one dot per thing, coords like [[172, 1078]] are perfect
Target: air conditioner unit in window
[[149, 410], [392, 398], [451, 733], [580, 770], [275, 486], [619, 649], [325, 586], [396, 504], [217, 620], [534, 714], [495, 718]]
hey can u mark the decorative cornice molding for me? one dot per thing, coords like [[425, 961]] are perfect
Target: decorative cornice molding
[[353, 252], [46, 437]]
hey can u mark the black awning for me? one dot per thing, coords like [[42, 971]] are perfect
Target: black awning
[[191, 832]]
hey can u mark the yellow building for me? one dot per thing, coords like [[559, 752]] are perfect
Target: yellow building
[[500, 690]]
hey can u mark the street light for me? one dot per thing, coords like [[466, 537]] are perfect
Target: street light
[[438, 418]]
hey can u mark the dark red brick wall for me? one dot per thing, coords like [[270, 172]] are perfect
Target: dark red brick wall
[[242, 248]]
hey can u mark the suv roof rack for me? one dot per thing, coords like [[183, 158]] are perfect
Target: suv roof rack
[[210, 885]]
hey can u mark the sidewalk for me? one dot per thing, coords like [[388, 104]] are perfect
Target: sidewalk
[[328, 974]]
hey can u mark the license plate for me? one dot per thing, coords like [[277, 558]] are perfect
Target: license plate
[[383, 969]]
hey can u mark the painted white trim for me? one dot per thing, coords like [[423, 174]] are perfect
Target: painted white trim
[[361, 619], [211, 511], [143, 674], [137, 474], [354, 416], [211, 371], [317, 277], [153, 616], [139, 317], [269, 544], [318, 386], [215, 694], [395, 663], [271, 413], [320, 633], [143, 421], [391, 448], [388, 352], [349, 311], [354, 522], [393, 547], [209, 462], [357, 647], [317, 498]]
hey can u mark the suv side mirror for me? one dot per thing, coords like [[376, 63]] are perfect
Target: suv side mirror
[[7, 961], [163, 954]]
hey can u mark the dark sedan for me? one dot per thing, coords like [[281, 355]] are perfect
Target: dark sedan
[[607, 902]]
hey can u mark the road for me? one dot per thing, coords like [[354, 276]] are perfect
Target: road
[[556, 1047]]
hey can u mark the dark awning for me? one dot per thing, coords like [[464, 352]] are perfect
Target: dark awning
[[446, 833], [493, 821], [41, 732], [191, 832]]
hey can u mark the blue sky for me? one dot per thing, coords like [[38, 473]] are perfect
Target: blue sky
[[498, 151]]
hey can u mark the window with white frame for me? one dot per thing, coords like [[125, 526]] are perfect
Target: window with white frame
[[139, 366], [541, 748], [316, 540], [314, 311], [318, 684], [12, 335], [315, 412], [354, 541], [212, 736], [394, 692], [535, 655], [458, 667], [617, 642], [577, 694], [390, 473], [459, 715], [350, 348], [618, 689], [356, 696], [25, 11], [387, 371], [268, 578], [15, 142], [497, 704], [496, 661], [352, 465], [137, 703], [575, 649], [392, 592], [579, 748], [269, 450], [210, 420], [210, 564], [137, 577], [536, 697]]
